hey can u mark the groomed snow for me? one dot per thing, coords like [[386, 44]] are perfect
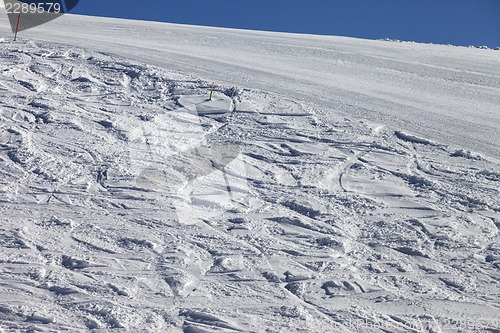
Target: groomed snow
[[331, 185]]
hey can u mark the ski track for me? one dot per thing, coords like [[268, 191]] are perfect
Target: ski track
[[335, 219]]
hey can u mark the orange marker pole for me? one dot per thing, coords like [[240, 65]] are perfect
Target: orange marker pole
[[17, 26], [211, 91]]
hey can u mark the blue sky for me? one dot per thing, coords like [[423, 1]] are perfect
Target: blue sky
[[458, 22]]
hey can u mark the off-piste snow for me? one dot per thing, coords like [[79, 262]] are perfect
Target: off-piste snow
[[330, 185]]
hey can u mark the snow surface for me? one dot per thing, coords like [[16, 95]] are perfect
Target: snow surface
[[331, 185]]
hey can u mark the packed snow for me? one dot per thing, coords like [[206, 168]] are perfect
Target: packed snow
[[330, 185]]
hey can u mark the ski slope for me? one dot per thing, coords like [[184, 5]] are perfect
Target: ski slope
[[331, 185], [446, 93]]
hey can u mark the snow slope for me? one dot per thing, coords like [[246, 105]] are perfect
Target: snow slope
[[447, 93], [331, 185]]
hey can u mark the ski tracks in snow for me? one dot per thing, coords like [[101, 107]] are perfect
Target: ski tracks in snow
[[130, 202]]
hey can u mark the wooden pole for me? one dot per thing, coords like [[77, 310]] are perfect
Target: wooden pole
[[17, 26]]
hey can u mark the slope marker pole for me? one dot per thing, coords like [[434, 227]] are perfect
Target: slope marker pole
[[17, 26], [211, 91]]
